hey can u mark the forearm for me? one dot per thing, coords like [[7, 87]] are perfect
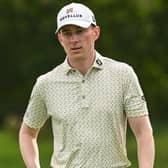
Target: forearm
[[143, 132], [29, 149], [146, 151]]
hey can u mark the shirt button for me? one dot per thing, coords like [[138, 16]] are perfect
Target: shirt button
[[83, 96], [73, 70], [83, 81]]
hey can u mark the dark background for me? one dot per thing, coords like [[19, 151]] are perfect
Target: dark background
[[135, 32]]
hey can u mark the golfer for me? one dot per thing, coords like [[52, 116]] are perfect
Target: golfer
[[89, 99]]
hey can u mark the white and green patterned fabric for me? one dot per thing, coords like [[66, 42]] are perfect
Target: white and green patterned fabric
[[89, 113]]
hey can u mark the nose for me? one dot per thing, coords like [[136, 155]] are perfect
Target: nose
[[74, 37]]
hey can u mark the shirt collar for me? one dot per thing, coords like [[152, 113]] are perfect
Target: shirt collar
[[98, 64]]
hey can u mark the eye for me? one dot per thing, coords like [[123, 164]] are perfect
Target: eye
[[66, 33], [80, 31]]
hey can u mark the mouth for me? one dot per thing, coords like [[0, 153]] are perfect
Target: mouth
[[76, 49]]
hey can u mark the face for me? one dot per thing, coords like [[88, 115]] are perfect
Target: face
[[78, 42]]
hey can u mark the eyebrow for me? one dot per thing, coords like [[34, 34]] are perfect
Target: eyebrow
[[69, 29], [64, 30]]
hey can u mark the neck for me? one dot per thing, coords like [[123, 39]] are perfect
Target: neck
[[82, 64]]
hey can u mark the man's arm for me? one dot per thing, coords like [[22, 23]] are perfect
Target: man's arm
[[28, 146], [142, 130]]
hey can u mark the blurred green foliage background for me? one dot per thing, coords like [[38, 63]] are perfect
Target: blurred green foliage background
[[135, 32]]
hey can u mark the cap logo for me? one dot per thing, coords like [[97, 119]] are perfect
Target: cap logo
[[70, 10], [93, 18], [68, 16]]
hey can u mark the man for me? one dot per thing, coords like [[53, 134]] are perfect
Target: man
[[89, 99]]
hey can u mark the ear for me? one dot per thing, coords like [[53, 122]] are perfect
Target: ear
[[96, 32]]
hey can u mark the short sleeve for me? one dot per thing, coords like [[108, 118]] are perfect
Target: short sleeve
[[36, 112], [134, 101]]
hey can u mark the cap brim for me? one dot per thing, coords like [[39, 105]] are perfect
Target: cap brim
[[76, 23]]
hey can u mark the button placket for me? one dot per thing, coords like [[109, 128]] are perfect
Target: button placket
[[84, 92]]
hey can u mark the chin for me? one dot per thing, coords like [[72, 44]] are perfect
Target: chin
[[77, 54]]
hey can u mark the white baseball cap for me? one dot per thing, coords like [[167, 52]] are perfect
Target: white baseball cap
[[75, 14]]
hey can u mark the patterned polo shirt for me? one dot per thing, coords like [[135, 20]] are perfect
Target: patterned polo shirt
[[89, 113]]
